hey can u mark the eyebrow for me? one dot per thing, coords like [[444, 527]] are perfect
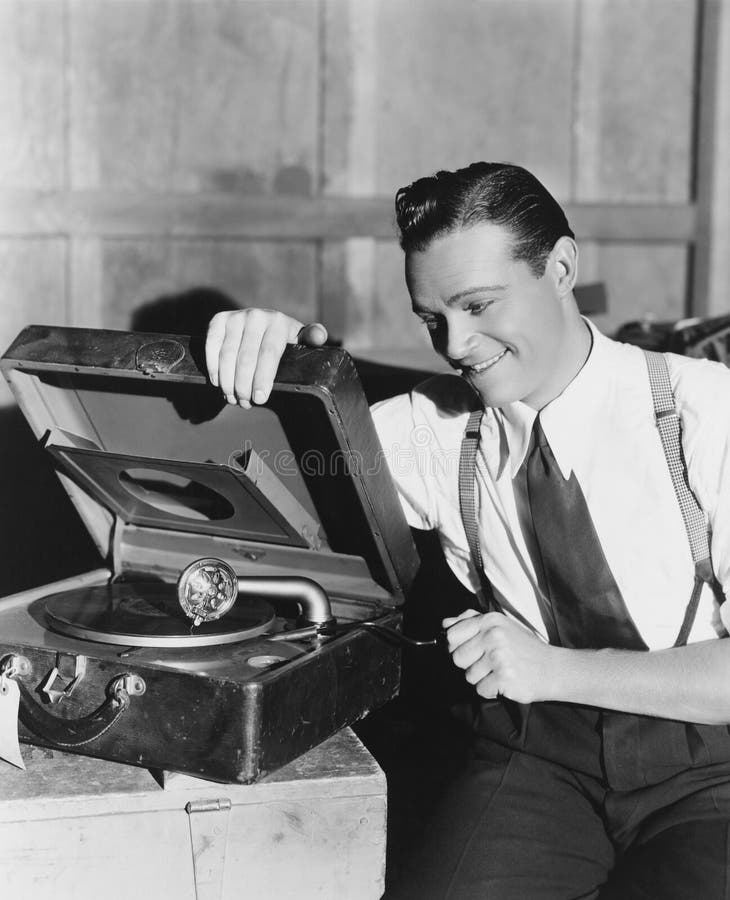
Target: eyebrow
[[481, 289]]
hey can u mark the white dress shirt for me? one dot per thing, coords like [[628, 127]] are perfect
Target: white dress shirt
[[603, 427]]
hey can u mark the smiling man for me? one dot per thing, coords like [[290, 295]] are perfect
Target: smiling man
[[588, 509], [514, 340]]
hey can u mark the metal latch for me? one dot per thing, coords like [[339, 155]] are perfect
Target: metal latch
[[64, 662], [208, 820]]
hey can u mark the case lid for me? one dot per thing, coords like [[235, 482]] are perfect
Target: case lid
[[163, 470]]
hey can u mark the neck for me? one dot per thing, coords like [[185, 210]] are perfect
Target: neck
[[575, 351]]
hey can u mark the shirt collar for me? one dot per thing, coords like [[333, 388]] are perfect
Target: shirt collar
[[568, 421]]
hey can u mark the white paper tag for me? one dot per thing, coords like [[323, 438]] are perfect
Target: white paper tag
[[9, 701]]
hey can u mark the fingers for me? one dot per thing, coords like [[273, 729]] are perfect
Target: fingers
[[230, 364], [467, 614], [499, 657], [469, 651], [469, 640], [479, 670], [213, 342], [469, 625], [461, 629], [244, 347], [488, 687], [261, 349]]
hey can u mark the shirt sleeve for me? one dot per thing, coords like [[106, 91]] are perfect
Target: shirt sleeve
[[405, 445]]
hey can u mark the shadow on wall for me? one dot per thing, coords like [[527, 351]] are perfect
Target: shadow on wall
[[185, 313], [42, 538]]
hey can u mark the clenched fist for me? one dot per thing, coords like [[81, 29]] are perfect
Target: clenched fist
[[501, 657]]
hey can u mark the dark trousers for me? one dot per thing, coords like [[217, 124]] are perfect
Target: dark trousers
[[576, 803]]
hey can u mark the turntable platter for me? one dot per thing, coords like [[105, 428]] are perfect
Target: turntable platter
[[148, 615]]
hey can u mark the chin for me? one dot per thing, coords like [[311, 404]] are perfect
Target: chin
[[495, 394]]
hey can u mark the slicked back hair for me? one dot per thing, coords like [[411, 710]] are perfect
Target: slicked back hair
[[499, 193]]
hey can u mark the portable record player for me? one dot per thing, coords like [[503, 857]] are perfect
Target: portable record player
[[191, 501]]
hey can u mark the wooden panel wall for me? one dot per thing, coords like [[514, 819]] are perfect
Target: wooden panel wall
[[111, 109], [160, 159], [711, 269], [595, 96]]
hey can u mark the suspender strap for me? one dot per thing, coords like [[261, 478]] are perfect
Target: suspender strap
[[518, 712], [670, 432], [467, 504]]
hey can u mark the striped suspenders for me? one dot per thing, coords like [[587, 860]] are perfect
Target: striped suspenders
[[670, 432], [668, 423]]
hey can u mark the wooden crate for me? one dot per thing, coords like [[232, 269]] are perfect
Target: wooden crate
[[74, 828]]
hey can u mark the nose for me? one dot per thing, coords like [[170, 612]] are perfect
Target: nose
[[458, 338]]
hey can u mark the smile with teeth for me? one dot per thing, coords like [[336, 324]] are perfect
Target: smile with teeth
[[487, 364]]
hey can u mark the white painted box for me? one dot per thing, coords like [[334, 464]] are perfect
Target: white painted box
[[76, 828]]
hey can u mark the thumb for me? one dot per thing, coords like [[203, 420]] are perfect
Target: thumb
[[467, 614], [313, 335]]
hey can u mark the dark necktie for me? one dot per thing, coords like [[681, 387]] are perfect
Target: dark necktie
[[587, 606]]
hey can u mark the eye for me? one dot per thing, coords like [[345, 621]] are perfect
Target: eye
[[476, 308], [431, 322]]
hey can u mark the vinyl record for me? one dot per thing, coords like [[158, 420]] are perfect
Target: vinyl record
[[244, 659], [148, 615]]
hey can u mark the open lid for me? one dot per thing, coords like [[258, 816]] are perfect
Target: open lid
[[162, 470]]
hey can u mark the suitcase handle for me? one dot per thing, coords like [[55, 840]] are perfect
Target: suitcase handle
[[78, 732]]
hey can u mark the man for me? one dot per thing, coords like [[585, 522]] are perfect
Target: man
[[596, 646]]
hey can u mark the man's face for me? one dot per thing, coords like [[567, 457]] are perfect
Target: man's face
[[489, 316]]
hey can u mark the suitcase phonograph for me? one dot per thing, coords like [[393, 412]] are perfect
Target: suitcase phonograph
[[257, 559]]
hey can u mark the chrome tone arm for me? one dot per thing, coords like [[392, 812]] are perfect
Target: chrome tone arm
[[208, 588]]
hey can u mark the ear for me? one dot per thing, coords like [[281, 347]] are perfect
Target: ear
[[563, 265]]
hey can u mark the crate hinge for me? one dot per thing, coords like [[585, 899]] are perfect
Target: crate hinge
[[208, 820]]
